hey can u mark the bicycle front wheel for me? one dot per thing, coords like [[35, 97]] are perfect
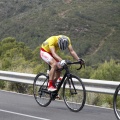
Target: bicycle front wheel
[[74, 93], [116, 102], [41, 94]]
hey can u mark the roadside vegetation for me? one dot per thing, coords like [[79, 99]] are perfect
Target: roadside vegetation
[[16, 56]]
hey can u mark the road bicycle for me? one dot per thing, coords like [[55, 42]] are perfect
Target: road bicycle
[[116, 102], [73, 89]]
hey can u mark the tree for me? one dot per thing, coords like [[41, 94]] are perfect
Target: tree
[[107, 71]]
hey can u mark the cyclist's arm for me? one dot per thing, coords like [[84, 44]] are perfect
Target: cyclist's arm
[[52, 49], [73, 53]]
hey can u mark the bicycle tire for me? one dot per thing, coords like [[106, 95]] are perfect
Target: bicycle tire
[[41, 95], [116, 102], [74, 100]]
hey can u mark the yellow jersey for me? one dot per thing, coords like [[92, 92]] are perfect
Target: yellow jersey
[[52, 42]]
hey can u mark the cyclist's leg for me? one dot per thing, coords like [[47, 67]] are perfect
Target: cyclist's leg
[[52, 62], [52, 73], [57, 75]]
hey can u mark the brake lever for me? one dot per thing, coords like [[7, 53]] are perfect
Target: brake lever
[[81, 65]]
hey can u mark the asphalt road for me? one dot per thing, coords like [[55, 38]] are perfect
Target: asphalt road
[[23, 107]]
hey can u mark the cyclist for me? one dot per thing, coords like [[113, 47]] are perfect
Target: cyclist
[[48, 54]]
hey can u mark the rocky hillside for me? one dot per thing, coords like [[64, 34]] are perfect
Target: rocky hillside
[[92, 25]]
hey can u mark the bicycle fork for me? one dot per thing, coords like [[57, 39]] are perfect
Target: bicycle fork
[[71, 84]]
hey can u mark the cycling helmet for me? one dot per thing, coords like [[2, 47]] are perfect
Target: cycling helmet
[[63, 42]]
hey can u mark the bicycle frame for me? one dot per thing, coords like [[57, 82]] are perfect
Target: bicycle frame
[[44, 97], [66, 75]]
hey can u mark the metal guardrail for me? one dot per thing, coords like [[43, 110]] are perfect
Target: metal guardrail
[[91, 85]]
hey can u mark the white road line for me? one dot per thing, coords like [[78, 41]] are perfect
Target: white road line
[[39, 118]]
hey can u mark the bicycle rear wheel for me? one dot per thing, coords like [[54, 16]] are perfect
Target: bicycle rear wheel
[[74, 93], [116, 102], [41, 94]]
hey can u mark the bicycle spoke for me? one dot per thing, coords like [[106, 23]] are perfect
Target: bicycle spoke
[[41, 94], [74, 94]]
